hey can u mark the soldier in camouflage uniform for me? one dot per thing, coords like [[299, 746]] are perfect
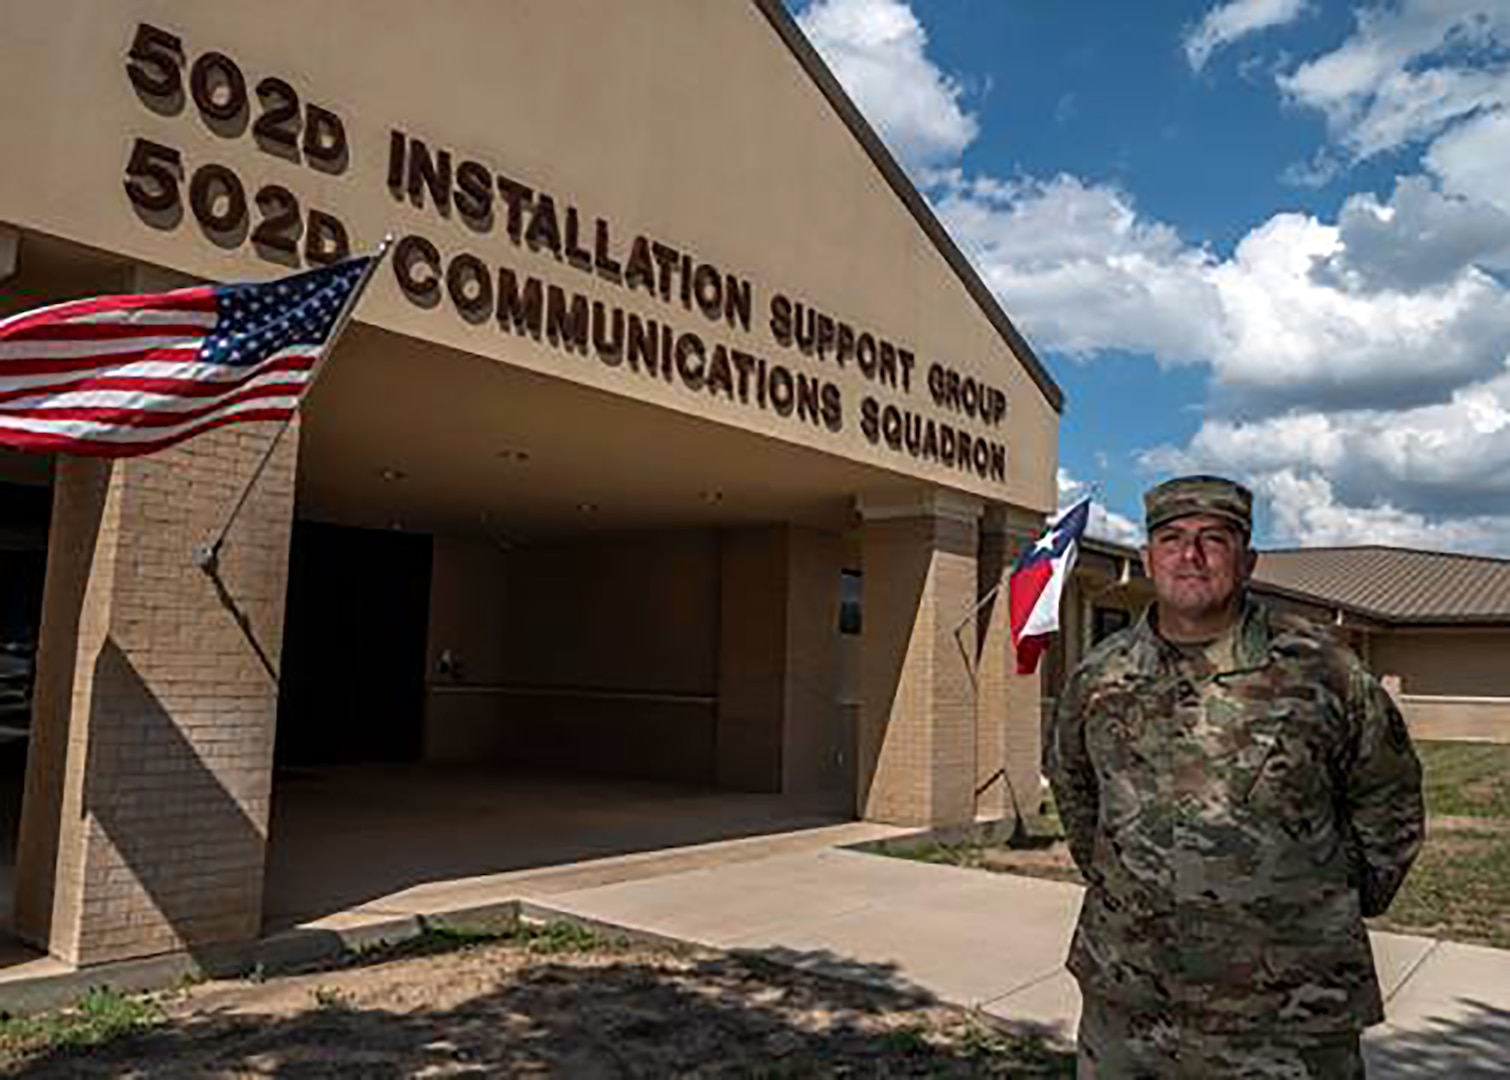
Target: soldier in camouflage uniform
[[1239, 792]]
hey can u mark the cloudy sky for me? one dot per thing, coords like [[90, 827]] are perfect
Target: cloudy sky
[[1268, 238]]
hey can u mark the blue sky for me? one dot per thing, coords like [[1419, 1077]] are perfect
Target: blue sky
[[1262, 237]]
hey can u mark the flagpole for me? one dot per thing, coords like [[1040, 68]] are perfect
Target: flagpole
[[207, 556]]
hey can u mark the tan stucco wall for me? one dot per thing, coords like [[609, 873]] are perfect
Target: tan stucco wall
[[1477, 719], [1457, 663], [631, 615], [686, 121]]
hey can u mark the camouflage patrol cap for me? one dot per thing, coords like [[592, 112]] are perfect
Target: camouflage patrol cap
[[1186, 495]]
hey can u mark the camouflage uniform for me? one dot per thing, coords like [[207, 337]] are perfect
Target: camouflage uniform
[[1236, 811]]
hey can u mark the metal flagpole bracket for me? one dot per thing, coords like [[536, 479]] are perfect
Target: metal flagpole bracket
[[207, 558]]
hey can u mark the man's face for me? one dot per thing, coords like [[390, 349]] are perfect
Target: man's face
[[1198, 564]]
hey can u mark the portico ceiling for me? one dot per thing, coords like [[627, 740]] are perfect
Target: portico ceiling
[[401, 432]]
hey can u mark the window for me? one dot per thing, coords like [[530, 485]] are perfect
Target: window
[[1106, 621], [849, 602]]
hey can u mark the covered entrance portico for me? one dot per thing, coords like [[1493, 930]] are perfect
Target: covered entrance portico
[[609, 617]]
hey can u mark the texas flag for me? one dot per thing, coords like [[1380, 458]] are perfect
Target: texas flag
[[1038, 581]]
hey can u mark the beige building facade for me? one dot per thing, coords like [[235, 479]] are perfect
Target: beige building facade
[[674, 444]]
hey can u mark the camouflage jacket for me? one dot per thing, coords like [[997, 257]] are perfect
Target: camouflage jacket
[[1234, 826]]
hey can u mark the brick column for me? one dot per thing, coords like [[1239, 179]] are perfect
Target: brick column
[[1008, 707], [916, 743], [144, 825]]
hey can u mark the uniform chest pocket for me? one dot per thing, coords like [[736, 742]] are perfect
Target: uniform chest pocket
[[1247, 766], [1281, 764]]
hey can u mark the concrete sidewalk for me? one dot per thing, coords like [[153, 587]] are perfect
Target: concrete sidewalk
[[997, 942], [993, 942]]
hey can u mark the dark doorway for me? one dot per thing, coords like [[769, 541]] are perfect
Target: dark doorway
[[353, 681], [25, 513]]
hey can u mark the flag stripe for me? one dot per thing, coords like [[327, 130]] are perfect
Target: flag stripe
[[167, 378], [135, 415], [169, 363], [146, 317], [171, 326], [132, 397], [200, 299], [93, 348], [109, 442], [85, 427]]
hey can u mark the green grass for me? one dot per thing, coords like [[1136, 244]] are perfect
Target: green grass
[[98, 1017], [1465, 779], [1459, 889], [561, 936]]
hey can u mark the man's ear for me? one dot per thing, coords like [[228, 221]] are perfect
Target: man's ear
[[1250, 562], [1147, 561]]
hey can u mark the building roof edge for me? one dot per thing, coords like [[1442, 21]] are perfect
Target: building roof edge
[[787, 29]]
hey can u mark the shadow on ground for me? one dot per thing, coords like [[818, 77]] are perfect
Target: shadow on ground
[[1475, 1046], [590, 1015]]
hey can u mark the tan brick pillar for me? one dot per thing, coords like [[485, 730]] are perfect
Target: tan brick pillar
[[916, 739], [144, 825], [1008, 705]]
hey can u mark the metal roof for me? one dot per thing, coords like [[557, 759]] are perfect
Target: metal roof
[[1397, 585]]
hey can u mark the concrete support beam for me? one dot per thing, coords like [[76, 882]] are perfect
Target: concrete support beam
[[144, 824], [10, 250], [917, 741]]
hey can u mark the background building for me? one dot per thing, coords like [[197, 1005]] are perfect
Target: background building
[[1434, 627]]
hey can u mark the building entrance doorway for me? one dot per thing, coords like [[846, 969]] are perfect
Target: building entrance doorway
[[25, 511], [352, 689]]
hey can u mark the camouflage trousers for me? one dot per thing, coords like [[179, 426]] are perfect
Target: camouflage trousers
[[1117, 1045]]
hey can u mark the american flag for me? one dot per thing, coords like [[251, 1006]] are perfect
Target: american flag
[[117, 376]]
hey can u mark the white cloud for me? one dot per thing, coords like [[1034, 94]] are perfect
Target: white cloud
[[1408, 72], [1292, 336], [1358, 365], [1066, 108], [1438, 474], [1044, 246], [1473, 159], [1236, 19], [1104, 523], [1306, 512], [1295, 315], [876, 49], [1420, 238]]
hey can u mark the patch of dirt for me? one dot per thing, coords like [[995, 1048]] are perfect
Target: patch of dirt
[[1051, 862], [1449, 824], [599, 1010]]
